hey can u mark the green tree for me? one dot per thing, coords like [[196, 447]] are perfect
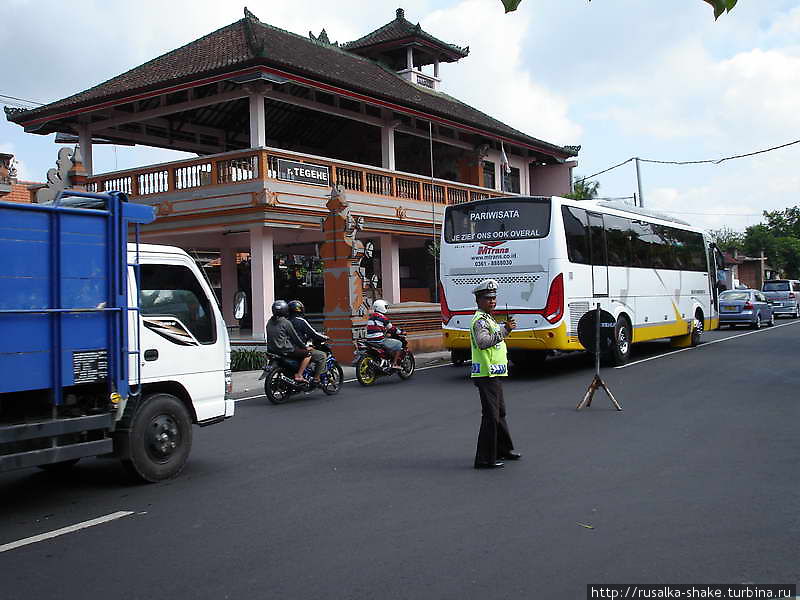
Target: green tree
[[784, 222], [583, 189], [727, 239], [719, 6]]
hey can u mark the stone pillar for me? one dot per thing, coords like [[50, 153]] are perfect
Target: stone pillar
[[229, 279], [258, 120], [390, 268], [85, 144], [262, 278], [387, 146], [77, 174], [345, 305]]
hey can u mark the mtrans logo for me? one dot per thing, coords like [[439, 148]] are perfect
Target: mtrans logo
[[491, 250]]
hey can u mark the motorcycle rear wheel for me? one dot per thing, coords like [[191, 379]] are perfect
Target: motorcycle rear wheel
[[276, 390], [407, 366], [334, 381], [366, 371]]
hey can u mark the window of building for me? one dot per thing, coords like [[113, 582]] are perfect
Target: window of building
[[488, 174], [512, 181]]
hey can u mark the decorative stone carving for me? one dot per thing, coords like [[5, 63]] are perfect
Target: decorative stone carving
[[265, 197], [322, 38], [164, 208], [68, 173], [346, 303]]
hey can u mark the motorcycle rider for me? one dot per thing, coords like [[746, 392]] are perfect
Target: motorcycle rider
[[378, 326], [282, 339], [308, 334]]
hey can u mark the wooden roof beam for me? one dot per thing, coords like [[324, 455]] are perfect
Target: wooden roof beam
[[169, 109]]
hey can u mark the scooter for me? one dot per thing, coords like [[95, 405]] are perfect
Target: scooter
[[373, 361], [279, 383]]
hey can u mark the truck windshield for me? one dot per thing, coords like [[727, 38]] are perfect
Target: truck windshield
[[173, 291], [497, 220]]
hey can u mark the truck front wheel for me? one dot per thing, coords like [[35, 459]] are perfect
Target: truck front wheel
[[158, 442]]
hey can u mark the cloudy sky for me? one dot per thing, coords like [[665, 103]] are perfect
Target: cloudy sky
[[622, 78]]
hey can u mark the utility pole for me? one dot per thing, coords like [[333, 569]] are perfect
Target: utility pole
[[639, 183]]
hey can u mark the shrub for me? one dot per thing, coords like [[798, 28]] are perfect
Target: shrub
[[248, 360]]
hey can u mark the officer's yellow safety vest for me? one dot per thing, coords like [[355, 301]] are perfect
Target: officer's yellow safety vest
[[492, 361]]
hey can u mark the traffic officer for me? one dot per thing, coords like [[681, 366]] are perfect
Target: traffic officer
[[489, 364]]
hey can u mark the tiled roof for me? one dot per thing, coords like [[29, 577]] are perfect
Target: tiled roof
[[19, 192], [248, 42], [400, 29]]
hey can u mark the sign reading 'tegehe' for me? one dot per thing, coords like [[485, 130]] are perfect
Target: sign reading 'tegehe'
[[291, 170]]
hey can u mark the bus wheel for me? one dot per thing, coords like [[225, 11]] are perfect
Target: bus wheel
[[458, 357], [621, 350], [530, 360]]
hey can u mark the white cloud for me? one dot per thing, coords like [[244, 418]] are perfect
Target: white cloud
[[493, 77]]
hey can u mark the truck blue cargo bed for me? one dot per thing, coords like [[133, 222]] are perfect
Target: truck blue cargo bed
[[63, 296]]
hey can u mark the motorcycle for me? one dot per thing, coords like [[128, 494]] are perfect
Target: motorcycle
[[373, 361], [278, 376]]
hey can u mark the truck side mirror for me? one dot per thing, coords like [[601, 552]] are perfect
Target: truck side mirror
[[239, 305]]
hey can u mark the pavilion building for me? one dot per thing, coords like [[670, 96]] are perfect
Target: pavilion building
[[276, 119]]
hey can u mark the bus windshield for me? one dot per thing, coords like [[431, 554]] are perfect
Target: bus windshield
[[498, 220]]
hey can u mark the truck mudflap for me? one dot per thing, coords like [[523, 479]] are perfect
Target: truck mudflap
[[11, 435]]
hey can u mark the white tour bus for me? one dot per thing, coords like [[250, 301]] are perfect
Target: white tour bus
[[555, 259]]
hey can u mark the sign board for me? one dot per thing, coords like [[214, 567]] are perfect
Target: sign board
[[89, 366], [292, 170], [587, 331]]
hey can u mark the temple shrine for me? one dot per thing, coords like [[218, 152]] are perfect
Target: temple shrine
[[321, 169]]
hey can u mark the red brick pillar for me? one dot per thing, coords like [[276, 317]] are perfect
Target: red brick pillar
[[345, 309]]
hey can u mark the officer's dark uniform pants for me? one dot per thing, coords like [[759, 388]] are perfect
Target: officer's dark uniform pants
[[494, 440]]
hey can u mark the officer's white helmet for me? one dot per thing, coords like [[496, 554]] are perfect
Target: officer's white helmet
[[380, 306], [486, 289]]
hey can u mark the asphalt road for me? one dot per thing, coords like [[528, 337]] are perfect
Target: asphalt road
[[371, 494]]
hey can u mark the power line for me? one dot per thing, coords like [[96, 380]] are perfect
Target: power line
[[719, 160], [715, 161], [21, 99]]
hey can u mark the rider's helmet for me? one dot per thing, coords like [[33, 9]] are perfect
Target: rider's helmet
[[296, 308], [380, 306], [486, 289], [280, 308]]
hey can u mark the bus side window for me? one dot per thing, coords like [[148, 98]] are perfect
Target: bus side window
[[618, 239], [576, 232], [641, 241]]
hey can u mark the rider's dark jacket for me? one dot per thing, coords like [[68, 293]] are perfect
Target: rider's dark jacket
[[304, 329], [282, 337]]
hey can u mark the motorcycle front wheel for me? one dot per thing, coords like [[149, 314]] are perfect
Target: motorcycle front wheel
[[275, 388], [407, 366], [366, 370], [333, 380]]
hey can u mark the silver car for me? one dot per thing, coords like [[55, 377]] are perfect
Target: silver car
[[784, 294], [745, 307]]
